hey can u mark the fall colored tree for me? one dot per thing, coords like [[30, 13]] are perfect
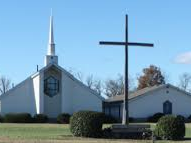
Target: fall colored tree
[[151, 76]]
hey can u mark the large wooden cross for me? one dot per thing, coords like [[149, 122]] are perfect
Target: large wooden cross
[[125, 118]]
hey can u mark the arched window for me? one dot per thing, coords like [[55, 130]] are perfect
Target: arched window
[[51, 86], [167, 107]]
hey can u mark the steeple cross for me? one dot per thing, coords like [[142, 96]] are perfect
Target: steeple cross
[[125, 118]]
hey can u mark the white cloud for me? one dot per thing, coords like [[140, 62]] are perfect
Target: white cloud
[[184, 58]]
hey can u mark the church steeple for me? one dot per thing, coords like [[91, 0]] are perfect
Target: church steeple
[[51, 58], [51, 45]]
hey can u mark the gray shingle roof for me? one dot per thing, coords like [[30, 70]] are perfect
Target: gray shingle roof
[[136, 93]]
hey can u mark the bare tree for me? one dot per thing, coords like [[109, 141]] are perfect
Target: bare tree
[[131, 83], [90, 81], [115, 87], [98, 87], [79, 76], [185, 81], [167, 77], [5, 84], [94, 84]]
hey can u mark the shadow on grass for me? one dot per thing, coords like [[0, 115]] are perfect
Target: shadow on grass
[[187, 139]]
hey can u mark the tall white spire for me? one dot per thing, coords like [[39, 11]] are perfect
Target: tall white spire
[[51, 45], [51, 58]]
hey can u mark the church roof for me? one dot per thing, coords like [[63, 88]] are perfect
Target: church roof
[[59, 68], [144, 91]]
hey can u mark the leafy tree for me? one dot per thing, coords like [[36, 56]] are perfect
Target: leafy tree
[[151, 76]]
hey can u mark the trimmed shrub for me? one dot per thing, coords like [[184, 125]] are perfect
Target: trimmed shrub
[[182, 118], [40, 118], [1, 119], [189, 118], [63, 118], [170, 127], [18, 118], [86, 124], [131, 119], [107, 133], [155, 117]]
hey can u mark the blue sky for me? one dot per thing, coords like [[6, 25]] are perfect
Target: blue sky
[[80, 25]]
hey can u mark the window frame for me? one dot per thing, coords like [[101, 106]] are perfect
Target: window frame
[[169, 105], [51, 88]]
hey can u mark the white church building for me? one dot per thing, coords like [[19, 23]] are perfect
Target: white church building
[[51, 90]]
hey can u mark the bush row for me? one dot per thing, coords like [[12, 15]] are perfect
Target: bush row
[[24, 118], [37, 118], [89, 124], [155, 118]]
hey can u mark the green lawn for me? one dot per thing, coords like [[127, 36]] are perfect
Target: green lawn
[[57, 133]]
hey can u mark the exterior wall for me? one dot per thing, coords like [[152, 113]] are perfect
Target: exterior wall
[[21, 98], [41, 96], [29, 96], [52, 105], [36, 84], [67, 90], [77, 97], [151, 103]]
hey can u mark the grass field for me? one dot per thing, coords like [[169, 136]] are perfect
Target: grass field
[[56, 133]]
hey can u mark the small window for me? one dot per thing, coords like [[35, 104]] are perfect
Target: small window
[[167, 107], [51, 86]]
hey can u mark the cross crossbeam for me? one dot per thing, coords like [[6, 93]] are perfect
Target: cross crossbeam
[[124, 43], [125, 117]]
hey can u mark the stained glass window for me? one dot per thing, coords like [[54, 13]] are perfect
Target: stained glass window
[[51, 86]]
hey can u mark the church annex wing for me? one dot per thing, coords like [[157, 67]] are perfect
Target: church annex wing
[[144, 92]]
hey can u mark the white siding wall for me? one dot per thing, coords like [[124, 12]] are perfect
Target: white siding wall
[[151, 103], [76, 97], [36, 84], [41, 98], [20, 99], [29, 97], [67, 92]]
